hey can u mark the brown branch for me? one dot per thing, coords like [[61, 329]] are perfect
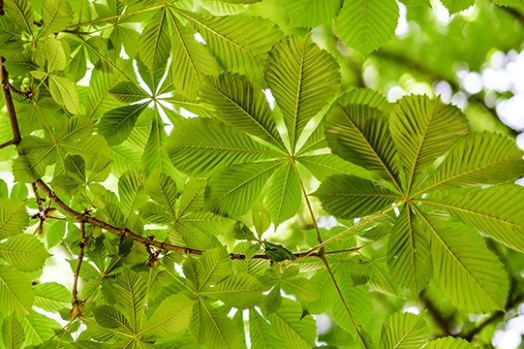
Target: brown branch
[[78, 305], [6, 92], [440, 320]]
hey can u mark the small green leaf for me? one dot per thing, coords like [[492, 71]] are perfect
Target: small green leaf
[[24, 252], [262, 335], [273, 300], [311, 13], [278, 253], [455, 6]]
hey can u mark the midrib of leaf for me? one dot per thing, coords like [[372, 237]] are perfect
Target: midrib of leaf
[[450, 252], [248, 180], [411, 240], [419, 148], [370, 147]]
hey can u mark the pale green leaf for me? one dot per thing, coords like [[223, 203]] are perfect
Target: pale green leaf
[[478, 159], [367, 24], [422, 130], [170, 319], [408, 253], [13, 217], [56, 16], [404, 331], [303, 79], [201, 145], [16, 295], [350, 197], [296, 332], [284, 194], [261, 218], [495, 211], [233, 190], [130, 293], [455, 6], [238, 290], [64, 93], [52, 296], [449, 343], [12, 333], [360, 134], [241, 104], [262, 335], [154, 45], [310, 13], [21, 11], [24, 252], [191, 60], [116, 125], [462, 262]]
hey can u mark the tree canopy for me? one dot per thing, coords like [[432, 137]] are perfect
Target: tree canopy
[[258, 173]]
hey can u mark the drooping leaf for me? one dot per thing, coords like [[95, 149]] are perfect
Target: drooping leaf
[[303, 78], [16, 295], [13, 217], [404, 330], [367, 24], [284, 194], [350, 197], [24, 252]]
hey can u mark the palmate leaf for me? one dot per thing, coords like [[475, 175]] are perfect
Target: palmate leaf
[[239, 291], [13, 217], [284, 195], [303, 78], [360, 134], [262, 335], [310, 13], [479, 158], [367, 24], [409, 256], [201, 145], [404, 331], [191, 60], [170, 319], [449, 343], [233, 190], [240, 43], [495, 211], [24, 252], [16, 295], [155, 44], [211, 326], [130, 293], [462, 262], [13, 335], [238, 102], [350, 197], [422, 130], [296, 332]]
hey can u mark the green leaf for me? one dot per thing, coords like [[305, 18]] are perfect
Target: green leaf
[[238, 102], [130, 292], [128, 92], [12, 333], [52, 296], [201, 145], [116, 125], [449, 343], [303, 79], [211, 326], [56, 16], [215, 267], [455, 6], [110, 317], [130, 190], [273, 300], [16, 295], [462, 262], [360, 134], [368, 97], [495, 211], [358, 301], [13, 217], [192, 197], [24, 252], [261, 219], [64, 93], [422, 130], [478, 159], [262, 335], [310, 13], [38, 328], [350, 197], [240, 43], [409, 255], [239, 291], [296, 332], [325, 165], [367, 24], [404, 331], [162, 189], [21, 11], [55, 55], [233, 190], [304, 289], [284, 194], [155, 44], [170, 319], [191, 60]]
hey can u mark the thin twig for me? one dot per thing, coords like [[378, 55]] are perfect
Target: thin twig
[[6, 92], [78, 304]]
